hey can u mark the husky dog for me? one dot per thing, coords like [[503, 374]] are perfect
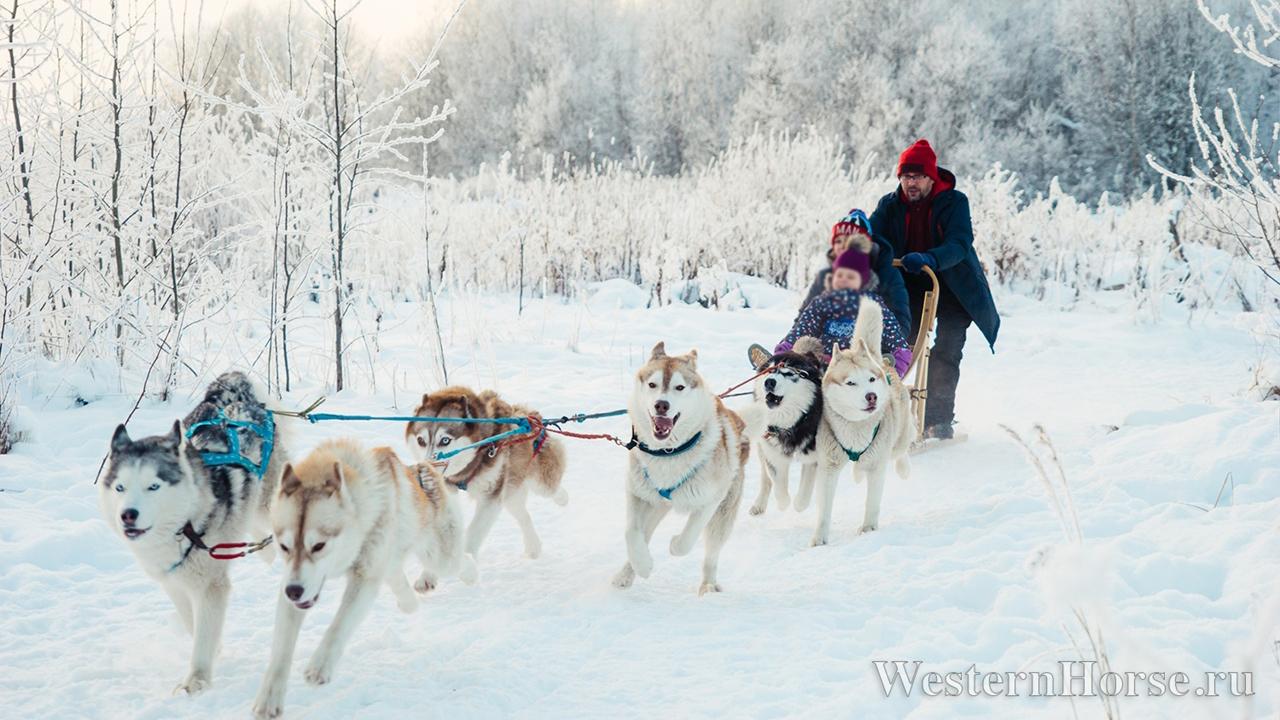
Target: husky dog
[[690, 452], [495, 478], [791, 393], [158, 494], [348, 511], [866, 419]]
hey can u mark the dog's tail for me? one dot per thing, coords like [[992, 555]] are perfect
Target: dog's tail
[[869, 326], [807, 345], [548, 471]]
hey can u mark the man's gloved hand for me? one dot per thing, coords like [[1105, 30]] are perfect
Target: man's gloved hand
[[915, 262]]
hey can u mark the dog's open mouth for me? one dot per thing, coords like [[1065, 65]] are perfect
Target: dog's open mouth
[[308, 604], [663, 425], [134, 533], [772, 400]]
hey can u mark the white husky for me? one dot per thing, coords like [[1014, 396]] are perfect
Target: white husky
[[169, 506], [348, 511], [866, 419], [690, 454]]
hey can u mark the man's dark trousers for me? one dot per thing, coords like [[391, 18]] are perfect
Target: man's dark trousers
[[952, 325]]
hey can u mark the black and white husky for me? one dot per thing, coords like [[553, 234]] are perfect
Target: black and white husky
[[791, 395], [168, 503]]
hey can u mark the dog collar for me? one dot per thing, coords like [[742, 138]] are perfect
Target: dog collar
[[856, 456], [662, 452], [197, 541]]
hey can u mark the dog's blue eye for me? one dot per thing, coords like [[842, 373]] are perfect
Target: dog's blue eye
[[444, 441], [119, 488], [153, 487]]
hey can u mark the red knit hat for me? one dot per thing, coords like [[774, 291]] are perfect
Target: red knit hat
[[857, 261], [919, 158]]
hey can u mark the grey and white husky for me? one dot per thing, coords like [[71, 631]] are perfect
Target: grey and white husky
[[158, 494]]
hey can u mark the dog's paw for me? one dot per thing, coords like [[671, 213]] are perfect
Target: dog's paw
[[642, 564], [708, 587], [801, 504], [533, 549], [270, 702], [756, 509], [560, 497], [425, 583], [869, 527], [320, 670], [406, 602], [469, 573], [680, 548], [818, 540], [194, 684], [625, 577]]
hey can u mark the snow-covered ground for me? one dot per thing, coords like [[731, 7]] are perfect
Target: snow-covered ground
[[970, 567]]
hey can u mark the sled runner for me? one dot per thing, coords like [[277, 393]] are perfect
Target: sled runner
[[919, 386]]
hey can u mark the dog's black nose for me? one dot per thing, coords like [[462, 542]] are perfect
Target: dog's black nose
[[293, 592], [129, 516], [770, 384], [871, 398], [661, 407]]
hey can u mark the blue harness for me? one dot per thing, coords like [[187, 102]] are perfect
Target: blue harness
[[668, 452], [265, 430], [666, 492]]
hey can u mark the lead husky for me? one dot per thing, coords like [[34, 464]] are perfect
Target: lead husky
[[866, 419], [168, 505], [791, 393], [690, 454], [494, 478], [344, 510]]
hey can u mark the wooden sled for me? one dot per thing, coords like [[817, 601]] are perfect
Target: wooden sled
[[919, 385]]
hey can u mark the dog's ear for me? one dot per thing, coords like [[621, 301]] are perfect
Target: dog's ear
[[659, 351], [333, 483], [176, 436], [290, 483], [426, 397], [466, 407], [120, 439]]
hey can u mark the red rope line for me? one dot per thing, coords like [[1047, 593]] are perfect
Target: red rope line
[[763, 372]]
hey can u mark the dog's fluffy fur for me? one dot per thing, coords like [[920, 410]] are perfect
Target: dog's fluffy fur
[[153, 487], [861, 392], [495, 478], [669, 406], [348, 511], [791, 397]]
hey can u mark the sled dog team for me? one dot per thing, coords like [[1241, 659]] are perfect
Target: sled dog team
[[224, 475]]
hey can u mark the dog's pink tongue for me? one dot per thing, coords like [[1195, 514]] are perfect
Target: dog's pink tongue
[[663, 424]]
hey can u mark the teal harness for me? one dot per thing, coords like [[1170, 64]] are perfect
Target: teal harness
[[265, 430], [669, 452], [855, 456]]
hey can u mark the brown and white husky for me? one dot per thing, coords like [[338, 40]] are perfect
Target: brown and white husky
[[495, 477]]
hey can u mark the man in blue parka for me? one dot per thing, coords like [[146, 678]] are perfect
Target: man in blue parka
[[927, 222]]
